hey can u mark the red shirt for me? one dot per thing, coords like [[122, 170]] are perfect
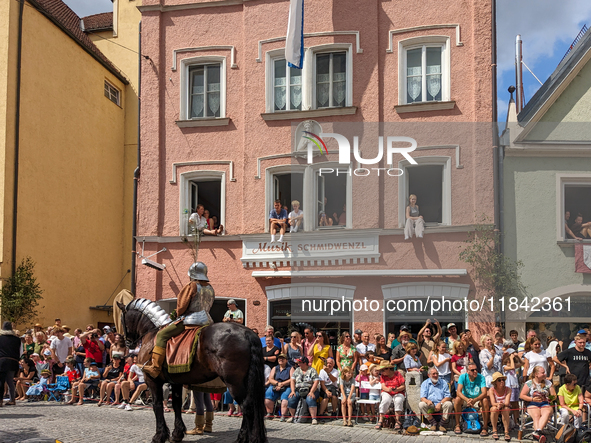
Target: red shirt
[[72, 374], [93, 351], [395, 381]]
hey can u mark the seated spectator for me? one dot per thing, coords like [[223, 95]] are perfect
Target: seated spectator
[[578, 230], [471, 393], [24, 379], [71, 371], [295, 217], [135, 382], [500, 399], [393, 394], [415, 225], [304, 385], [375, 392], [208, 220], [341, 219], [279, 387], [40, 365], [567, 228], [122, 378], [329, 390], [323, 220], [111, 375], [198, 222], [362, 393], [37, 389], [278, 221], [435, 397], [233, 314], [347, 395], [90, 379], [536, 392], [570, 398], [412, 363], [216, 224]]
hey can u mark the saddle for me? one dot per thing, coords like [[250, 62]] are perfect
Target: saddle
[[181, 350]]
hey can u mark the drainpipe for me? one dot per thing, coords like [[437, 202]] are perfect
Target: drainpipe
[[17, 119], [136, 173]]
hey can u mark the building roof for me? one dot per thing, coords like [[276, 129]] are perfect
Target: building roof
[[69, 22], [565, 68], [98, 22]]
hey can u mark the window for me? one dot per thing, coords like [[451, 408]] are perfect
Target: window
[[203, 88], [287, 87], [204, 100], [430, 181], [331, 80], [324, 82], [206, 188], [316, 193], [576, 202], [112, 93], [424, 70]]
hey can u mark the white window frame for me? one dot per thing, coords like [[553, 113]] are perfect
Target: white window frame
[[403, 190], [426, 41], [563, 180], [186, 65], [110, 85], [308, 74], [185, 195], [309, 193]]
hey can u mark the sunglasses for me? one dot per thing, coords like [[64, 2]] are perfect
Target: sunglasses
[[472, 370], [347, 336], [294, 336], [319, 336]]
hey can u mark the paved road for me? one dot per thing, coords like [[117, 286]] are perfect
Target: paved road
[[91, 424]]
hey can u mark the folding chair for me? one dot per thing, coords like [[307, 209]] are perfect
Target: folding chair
[[56, 391], [358, 402], [526, 429]]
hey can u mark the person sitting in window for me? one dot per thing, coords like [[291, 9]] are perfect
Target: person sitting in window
[[295, 217], [414, 222], [567, 230], [216, 223], [208, 220], [324, 220], [278, 220], [341, 219], [198, 222], [233, 314]]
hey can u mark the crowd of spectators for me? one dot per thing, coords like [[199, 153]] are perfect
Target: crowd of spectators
[[492, 374]]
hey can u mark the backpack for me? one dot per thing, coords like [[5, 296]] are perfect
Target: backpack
[[471, 422], [566, 434], [411, 420]]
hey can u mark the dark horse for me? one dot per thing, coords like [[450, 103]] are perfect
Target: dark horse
[[228, 350]]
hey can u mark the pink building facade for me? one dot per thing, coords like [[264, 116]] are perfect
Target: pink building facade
[[221, 124]]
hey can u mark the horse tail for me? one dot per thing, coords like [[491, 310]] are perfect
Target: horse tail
[[255, 394]]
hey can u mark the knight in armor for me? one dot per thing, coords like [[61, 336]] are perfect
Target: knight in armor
[[192, 309]]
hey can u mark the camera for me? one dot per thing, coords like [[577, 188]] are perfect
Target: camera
[[94, 336]]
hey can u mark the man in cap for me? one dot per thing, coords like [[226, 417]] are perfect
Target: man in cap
[[192, 309], [583, 333], [233, 314], [399, 352], [67, 333], [37, 328], [406, 329], [452, 330], [357, 337], [435, 397]]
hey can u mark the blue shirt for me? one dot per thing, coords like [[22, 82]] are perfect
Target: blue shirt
[[276, 342], [472, 389], [281, 216], [435, 392]]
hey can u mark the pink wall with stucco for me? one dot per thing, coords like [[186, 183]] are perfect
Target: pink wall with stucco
[[249, 136]]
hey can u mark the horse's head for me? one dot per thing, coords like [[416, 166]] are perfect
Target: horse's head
[[140, 317]]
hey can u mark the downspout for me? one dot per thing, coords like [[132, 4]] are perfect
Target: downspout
[[17, 119], [136, 173]]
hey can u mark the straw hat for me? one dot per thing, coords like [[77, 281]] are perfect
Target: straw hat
[[385, 364], [498, 376]]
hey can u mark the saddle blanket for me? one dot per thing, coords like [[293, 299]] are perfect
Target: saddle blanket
[[181, 350]]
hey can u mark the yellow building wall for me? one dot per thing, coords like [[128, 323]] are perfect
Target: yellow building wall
[[121, 47], [71, 216]]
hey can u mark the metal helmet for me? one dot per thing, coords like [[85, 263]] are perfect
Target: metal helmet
[[198, 271]]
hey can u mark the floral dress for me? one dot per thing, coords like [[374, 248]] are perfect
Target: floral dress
[[346, 356]]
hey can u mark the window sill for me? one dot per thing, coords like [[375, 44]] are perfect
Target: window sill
[[571, 242], [421, 107], [312, 113], [203, 122]]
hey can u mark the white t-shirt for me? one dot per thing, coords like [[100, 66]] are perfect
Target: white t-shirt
[[445, 368], [364, 349], [137, 371], [540, 359], [326, 379], [61, 348], [197, 222], [294, 214], [234, 314]]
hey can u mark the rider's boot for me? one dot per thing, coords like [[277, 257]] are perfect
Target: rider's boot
[[208, 422], [199, 425], [155, 367]]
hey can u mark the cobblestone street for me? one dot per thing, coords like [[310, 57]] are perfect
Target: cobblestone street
[[90, 424]]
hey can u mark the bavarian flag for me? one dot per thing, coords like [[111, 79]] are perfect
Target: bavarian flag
[[294, 42]]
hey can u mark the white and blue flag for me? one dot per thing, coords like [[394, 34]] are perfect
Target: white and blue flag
[[294, 43]]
